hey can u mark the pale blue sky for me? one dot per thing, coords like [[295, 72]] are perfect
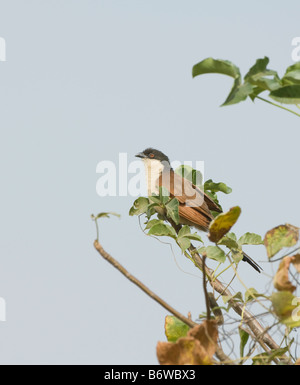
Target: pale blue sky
[[85, 80]]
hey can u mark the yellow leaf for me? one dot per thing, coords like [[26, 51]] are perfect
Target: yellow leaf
[[280, 237], [223, 223]]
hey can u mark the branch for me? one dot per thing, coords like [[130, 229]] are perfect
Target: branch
[[260, 333], [138, 283], [219, 352], [207, 301]]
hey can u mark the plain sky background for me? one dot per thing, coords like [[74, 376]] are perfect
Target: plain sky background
[[86, 80]]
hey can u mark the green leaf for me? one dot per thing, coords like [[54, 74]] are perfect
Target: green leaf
[[216, 66], [184, 170], [286, 307], [172, 208], [223, 223], [211, 188], [264, 83], [251, 294], [231, 236], [184, 237], [237, 297], [239, 93], [185, 230], [184, 243], [280, 237], [162, 229], [229, 241], [244, 336], [174, 328], [292, 68], [259, 67], [237, 256], [287, 94], [256, 91], [250, 239], [213, 252], [140, 206], [155, 199], [214, 197], [209, 185], [267, 357], [194, 176], [105, 215], [153, 222], [194, 237], [259, 76], [151, 210], [292, 75], [164, 195]]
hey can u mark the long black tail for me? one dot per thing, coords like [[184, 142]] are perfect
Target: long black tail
[[249, 260]]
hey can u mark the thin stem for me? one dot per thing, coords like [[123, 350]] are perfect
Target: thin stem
[[286, 255], [226, 268], [278, 105], [97, 229], [216, 269]]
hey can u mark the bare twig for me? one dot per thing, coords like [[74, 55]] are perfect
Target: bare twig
[[215, 309], [205, 290], [137, 282], [219, 351]]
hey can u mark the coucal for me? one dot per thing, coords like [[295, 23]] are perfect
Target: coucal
[[194, 205]]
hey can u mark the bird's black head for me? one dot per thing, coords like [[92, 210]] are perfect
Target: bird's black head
[[151, 153]]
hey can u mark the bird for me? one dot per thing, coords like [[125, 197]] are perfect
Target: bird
[[195, 207]]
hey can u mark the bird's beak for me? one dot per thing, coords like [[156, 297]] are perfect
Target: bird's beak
[[141, 155]]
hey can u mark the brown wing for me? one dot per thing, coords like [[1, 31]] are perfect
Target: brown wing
[[211, 204], [194, 205], [190, 216]]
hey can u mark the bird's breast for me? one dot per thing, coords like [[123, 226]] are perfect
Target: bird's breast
[[153, 169]]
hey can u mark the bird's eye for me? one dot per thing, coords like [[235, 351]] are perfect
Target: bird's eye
[[151, 155]]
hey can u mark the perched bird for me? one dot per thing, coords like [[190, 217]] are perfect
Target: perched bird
[[194, 205]]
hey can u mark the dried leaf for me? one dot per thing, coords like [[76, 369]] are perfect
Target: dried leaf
[[197, 348], [207, 334], [186, 351], [281, 280], [296, 262]]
